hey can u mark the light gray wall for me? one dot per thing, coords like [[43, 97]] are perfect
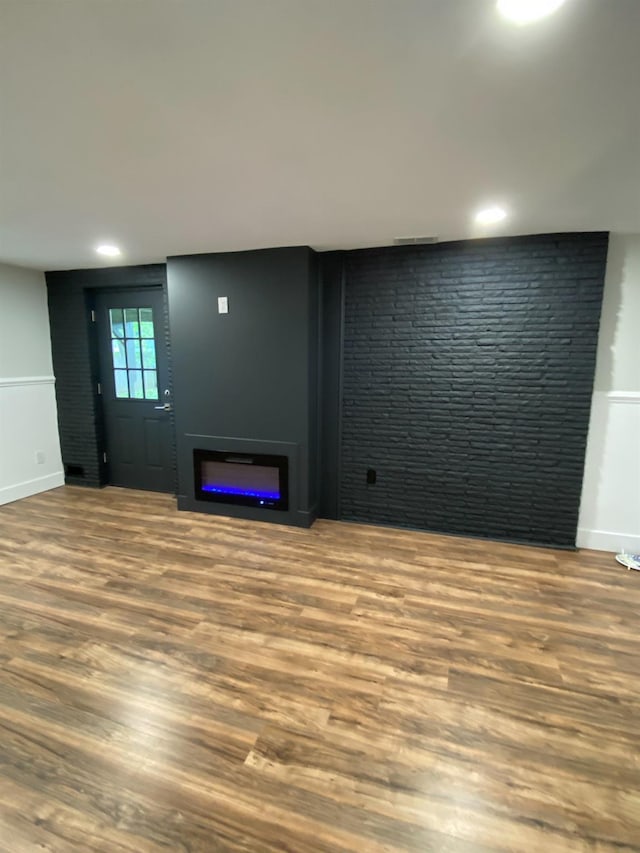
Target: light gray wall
[[30, 458], [610, 505], [618, 361], [25, 344]]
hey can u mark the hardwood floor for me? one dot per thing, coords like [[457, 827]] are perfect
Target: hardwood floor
[[174, 681]]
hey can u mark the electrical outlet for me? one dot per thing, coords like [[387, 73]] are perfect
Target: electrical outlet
[[40, 457]]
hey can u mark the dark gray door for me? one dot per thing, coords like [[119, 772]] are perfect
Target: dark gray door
[[135, 389]]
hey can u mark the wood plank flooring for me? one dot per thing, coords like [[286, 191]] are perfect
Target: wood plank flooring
[[179, 682]]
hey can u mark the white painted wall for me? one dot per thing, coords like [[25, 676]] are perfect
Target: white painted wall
[[28, 416], [610, 507]]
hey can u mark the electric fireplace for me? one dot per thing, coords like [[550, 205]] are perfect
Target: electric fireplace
[[242, 479]]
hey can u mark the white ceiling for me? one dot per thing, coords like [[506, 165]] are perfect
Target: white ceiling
[[178, 126]]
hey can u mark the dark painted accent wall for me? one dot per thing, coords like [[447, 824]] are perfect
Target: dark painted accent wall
[[248, 379], [332, 313], [75, 362], [467, 380]]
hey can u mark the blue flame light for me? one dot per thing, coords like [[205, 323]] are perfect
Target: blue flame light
[[232, 490]]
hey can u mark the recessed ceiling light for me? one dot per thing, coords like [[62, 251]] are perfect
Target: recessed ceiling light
[[109, 250], [527, 11], [490, 215]]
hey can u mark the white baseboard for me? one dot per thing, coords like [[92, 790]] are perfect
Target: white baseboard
[[608, 540], [16, 492]]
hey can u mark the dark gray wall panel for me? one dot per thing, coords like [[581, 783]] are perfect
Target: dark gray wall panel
[[467, 381], [250, 374], [332, 273], [75, 359]]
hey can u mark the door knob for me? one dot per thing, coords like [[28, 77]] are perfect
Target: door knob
[[165, 408]]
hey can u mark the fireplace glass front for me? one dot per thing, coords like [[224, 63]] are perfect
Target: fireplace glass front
[[244, 479]]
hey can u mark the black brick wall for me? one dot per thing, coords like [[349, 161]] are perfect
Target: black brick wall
[[467, 379], [75, 363]]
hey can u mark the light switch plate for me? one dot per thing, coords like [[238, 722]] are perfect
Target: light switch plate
[[223, 304]]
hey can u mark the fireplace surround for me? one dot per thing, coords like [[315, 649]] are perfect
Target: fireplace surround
[[213, 447]]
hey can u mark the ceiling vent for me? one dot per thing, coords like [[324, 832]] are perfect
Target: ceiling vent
[[414, 241]]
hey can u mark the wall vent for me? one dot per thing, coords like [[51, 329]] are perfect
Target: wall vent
[[414, 241], [72, 470]]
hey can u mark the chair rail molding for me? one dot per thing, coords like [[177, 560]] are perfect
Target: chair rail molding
[[623, 396], [14, 381]]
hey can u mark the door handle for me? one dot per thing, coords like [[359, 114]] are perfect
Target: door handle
[[165, 408]]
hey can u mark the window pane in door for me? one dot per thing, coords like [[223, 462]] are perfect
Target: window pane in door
[[133, 350], [149, 354], [133, 354], [117, 349], [135, 385], [146, 322], [131, 325], [122, 386], [150, 385], [117, 322]]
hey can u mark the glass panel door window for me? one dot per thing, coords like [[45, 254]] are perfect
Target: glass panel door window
[[133, 350]]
